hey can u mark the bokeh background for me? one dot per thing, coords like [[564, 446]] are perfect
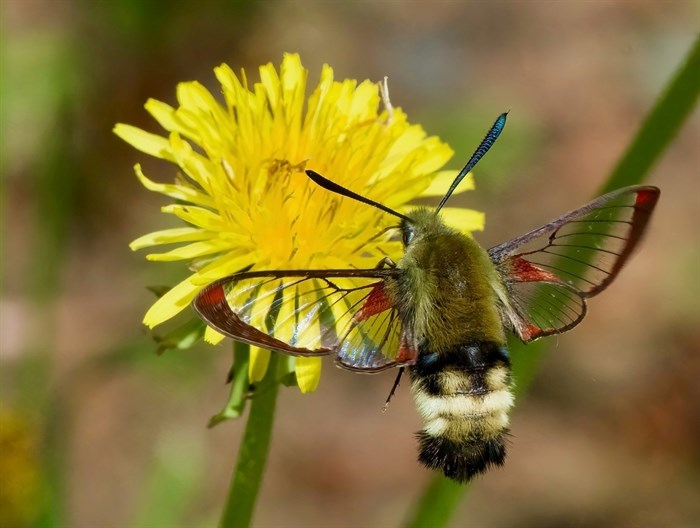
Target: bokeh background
[[96, 430]]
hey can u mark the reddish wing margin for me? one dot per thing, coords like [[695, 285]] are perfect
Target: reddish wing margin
[[559, 265], [348, 313]]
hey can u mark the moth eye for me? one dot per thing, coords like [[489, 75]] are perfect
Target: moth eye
[[408, 234]]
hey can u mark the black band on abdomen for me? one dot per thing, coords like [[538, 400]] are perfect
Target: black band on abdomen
[[464, 397]]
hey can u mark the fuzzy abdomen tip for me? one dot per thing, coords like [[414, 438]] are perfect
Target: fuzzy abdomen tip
[[461, 460]]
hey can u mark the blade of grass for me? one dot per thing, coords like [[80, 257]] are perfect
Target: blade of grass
[[442, 496], [660, 126]]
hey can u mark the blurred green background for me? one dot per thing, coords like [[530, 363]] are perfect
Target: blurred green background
[[96, 430]]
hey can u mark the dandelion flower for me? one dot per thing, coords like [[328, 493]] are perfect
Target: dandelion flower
[[242, 193]]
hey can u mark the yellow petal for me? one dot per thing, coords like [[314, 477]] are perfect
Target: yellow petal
[[198, 168], [408, 141], [465, 220], [213, 337], [436, 154], [293, 73], [172, 303], [227, 264], [193, 96], [442, 181], [151, 144], [366, 97], [259, 359], [191, 251], [170, 236], [198, 216], [224, 74], [164, 114], [405, 194], [271, 83], [178, 192], [308, 371], [286, 318]]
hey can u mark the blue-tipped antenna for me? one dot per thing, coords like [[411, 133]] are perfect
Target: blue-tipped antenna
[[479, 153]]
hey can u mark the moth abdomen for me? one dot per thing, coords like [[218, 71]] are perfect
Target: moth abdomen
[[464, 398]]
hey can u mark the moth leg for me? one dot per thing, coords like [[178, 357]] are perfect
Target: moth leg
[[386, 262], [393, 389]]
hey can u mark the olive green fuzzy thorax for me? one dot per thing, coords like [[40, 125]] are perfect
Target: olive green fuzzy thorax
[[449, 283]]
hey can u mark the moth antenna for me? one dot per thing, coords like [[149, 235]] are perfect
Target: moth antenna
[[339, 189], [484, 146]]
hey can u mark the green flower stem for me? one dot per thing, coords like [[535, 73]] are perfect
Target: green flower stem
[[442, 496], [252, 454]]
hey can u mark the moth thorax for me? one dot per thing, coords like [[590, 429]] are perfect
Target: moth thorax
[[464, 397]]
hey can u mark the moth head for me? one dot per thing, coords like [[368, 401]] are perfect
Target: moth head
[[419, 223]]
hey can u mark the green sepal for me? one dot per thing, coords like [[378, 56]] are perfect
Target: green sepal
[[238, 378], [181, 338]]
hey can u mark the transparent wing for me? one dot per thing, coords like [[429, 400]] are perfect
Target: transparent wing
[[349, 313], [549, 272]]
